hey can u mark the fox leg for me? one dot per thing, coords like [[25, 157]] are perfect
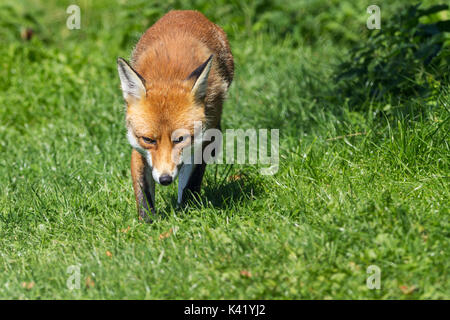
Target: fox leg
[[190, 178], [195, 181], [185, 174], [144, 186], [191, 175]]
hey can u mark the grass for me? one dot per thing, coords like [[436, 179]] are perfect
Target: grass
[[354, 188]]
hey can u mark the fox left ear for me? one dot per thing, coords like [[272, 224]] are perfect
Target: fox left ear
[[133, 85], [201, 84]]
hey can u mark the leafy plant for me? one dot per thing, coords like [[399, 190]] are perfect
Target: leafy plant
[[405, 58]]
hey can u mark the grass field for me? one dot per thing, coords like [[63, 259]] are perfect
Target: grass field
[[357, 186]]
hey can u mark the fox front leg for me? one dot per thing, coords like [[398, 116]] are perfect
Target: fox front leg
[[183, 180], [191, 175], [190, 179], [144, 186]]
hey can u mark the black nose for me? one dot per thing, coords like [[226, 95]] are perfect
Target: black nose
[[165, 179]]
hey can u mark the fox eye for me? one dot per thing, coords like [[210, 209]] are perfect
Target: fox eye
[[148, 140], [179, 140]]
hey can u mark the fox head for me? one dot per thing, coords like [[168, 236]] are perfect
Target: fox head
[[161, 115]]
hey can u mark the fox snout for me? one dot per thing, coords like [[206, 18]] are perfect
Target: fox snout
[[164, 178]]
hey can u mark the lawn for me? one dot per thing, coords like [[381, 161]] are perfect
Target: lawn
[[359, 183]]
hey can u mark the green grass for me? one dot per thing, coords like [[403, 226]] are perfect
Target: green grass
[[354, 189]]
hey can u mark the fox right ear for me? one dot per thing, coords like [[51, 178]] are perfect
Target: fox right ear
[[133, 85]]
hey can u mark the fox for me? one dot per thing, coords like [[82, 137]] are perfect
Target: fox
[[179, 75]]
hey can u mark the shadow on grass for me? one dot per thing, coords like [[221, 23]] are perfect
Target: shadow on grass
[[230, 193], [232, 189]]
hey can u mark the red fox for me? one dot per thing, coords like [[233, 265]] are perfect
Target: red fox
[[180, 72]]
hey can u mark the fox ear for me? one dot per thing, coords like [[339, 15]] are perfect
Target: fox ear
[[133, 85], [201, 84]]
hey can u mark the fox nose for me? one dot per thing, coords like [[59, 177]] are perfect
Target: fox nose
[[165, 179]]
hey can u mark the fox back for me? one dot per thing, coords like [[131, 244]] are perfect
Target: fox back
[[180, 42]]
